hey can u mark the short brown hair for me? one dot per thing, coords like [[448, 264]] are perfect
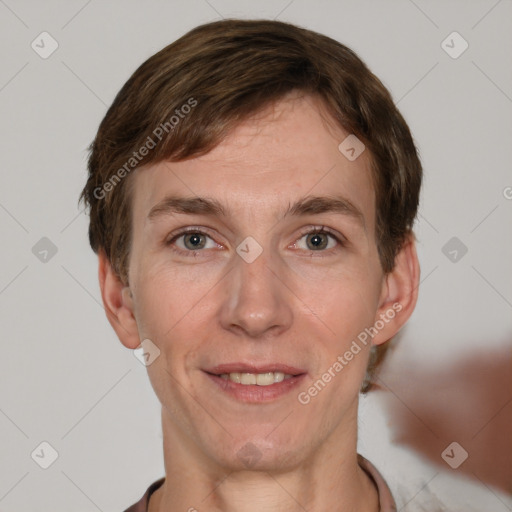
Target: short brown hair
[[224, 72]]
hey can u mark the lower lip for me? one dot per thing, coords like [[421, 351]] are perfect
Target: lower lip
[[252, 393]]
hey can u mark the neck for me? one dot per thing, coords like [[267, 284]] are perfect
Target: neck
[[329, 479]]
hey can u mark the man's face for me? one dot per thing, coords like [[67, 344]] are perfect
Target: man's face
[[208, 298]]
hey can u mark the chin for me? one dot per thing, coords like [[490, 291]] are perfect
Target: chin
[[260, 454]]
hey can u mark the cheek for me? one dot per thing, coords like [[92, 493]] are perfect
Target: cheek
[[167, 295], [345, 297]]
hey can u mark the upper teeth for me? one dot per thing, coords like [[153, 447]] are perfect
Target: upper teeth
[[260, 379]]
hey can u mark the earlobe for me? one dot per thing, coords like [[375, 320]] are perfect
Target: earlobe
[[118, 303], [399, 293]]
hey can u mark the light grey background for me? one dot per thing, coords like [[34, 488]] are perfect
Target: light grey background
[[67, 380]]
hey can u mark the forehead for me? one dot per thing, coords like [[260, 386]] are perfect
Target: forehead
[[284, 152]]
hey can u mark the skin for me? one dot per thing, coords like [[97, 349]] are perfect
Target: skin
[[295, 304]]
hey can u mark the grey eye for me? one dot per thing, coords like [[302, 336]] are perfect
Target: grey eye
[[194, 241], [317, 240]]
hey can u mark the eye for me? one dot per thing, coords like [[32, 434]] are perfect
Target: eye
[[190, 240], [318, 239]]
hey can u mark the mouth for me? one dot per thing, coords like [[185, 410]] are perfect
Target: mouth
[[257, 379], [253, 383]]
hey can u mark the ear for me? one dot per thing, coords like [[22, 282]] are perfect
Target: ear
[[118, 303], [399, 293]]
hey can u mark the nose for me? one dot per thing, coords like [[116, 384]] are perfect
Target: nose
[[258, 301]]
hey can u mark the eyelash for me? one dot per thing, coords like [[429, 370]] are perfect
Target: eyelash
[[309, 231]]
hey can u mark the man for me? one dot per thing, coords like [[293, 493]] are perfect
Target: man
[[252, 192]]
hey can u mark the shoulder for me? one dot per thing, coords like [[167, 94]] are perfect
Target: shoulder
[[386, 500], [142, 504]]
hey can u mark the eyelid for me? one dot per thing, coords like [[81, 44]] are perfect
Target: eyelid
[[323, 229], [183, 231]]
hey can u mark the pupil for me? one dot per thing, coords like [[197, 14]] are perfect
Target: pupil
[[195, 241], [316, 241]]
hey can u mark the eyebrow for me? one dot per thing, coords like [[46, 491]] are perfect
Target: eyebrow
[[309, 205]]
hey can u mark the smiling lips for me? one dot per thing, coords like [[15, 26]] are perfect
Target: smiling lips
[[260, 379], [248, 374]]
